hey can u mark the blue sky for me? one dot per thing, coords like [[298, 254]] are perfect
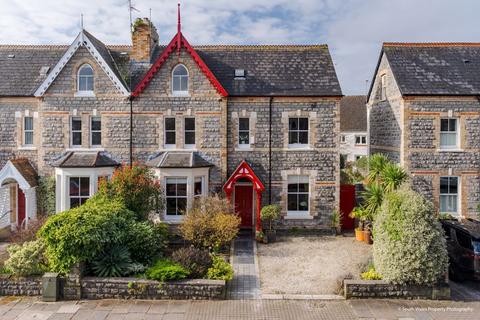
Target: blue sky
[[353, 29]]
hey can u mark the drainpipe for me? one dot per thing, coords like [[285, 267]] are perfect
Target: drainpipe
[[131, 130], [270, 102]]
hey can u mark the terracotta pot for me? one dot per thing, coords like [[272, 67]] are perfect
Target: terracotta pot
[[271, 235], [359, 234], [367, 237]]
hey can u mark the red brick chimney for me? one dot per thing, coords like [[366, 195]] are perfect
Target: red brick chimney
[[144, 40]]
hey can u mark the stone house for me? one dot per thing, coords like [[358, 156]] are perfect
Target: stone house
[[424, 113], [353, 128], [258, 122]]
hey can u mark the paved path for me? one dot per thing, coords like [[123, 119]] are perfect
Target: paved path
[[31, 308], [465, 291], [246, 279]]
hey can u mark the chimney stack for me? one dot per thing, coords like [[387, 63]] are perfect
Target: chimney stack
[[144, 40]]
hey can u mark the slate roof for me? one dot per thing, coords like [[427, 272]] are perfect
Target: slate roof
[[173, 159], [26, 170], [353, 114], [74, 159], [278, 70], [435, 68]]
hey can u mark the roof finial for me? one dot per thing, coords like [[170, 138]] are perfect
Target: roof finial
[[179, 31], [81, 21]]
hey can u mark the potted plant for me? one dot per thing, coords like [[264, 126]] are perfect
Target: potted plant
[[269, 215], [337, 221], [358, 214], [367, 232], [259, 236]]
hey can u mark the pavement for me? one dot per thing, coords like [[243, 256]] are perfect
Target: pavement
[[32, 308]]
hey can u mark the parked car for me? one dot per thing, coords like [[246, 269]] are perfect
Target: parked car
[[463, 245]]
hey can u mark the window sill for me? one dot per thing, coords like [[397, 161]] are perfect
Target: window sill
[[298, 216], [85, 149], [27, 148], [249, 148], [299, 148], [172, 220], [450, 150], [181, 94], [88, 94], [177, 149]]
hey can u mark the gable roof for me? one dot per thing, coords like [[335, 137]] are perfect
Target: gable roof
[[101, 55], [21, 171], [172, 159], [353, 114], [434, 68], [177, 43], [73, 159], [276, 70]]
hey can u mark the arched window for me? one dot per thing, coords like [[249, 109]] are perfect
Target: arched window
[[85, 78], [180, 80]]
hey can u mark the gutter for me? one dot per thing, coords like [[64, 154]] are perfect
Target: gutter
[[131, 132]]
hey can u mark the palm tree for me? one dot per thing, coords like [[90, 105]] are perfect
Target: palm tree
[[392, 176], [376, 164], [373, 196]]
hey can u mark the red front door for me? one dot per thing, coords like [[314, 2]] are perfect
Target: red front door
[[20, 206], [244, 204]]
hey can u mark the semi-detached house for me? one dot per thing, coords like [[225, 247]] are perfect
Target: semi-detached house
[[424, 113], [259, 123]]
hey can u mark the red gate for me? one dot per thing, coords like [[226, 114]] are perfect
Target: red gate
[[347, 203]]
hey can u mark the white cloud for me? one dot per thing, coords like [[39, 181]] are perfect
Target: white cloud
[[354, 29]]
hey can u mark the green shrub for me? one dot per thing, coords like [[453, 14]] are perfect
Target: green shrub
[[409, 245], [269, 214], [220, 270], [166, 270], [371, 274], [113, 262], [81, 234], [26, 259], [136, 187], [45, 193], [196, 261], [210, 223], [145, 240]]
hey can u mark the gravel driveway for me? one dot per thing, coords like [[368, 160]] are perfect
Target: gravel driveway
[[310, 265]]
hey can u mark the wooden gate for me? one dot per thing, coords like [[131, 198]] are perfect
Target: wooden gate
[[347, 203]]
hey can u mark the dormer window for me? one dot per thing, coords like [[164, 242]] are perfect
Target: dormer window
[[180, 80], [85, 79]]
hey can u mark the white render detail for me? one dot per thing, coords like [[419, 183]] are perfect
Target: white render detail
[[10, 174], [80, 40], [350, 149]]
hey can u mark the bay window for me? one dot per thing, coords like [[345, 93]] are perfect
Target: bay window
[[79, 191], [176, 196]]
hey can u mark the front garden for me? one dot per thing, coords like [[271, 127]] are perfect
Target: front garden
[[115, 234]]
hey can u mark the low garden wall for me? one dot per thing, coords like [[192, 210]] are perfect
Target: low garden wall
[[134, 288], [379, 289], [20, 286], [72, 287]]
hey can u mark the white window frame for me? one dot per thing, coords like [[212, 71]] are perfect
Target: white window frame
[[299, 145], [243, 145], [25, 131], [79, 189], [185, 131], [457, 195], [181, 92], [456, 133], [95, 131], [202, 193], [343, 138], [165, 144], [383, 87], [361, 137], [76, 131], [299, 214], [85, 92], [176, 216]]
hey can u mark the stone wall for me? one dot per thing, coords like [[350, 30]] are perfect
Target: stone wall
[[128, 288], [20, 286], [319, 161], [379, 289], [385, 116]]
